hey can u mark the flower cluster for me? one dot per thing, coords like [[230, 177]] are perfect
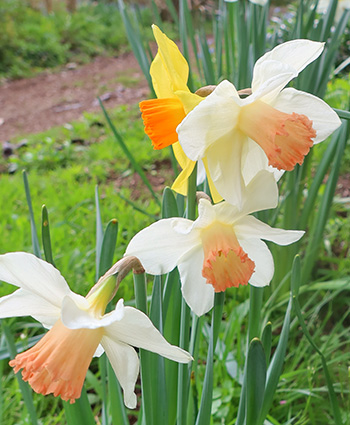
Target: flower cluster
[[246, 140], [242, 141]]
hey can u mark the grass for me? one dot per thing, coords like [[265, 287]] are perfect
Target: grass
[[33, 41], [63, 173]]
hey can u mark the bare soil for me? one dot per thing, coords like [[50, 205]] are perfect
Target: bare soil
[[36, 104]]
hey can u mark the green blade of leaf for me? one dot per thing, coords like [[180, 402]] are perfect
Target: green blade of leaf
[[128, 154], [45, 235], [35, 240], [256, 378], [108, 246], [24, 387]]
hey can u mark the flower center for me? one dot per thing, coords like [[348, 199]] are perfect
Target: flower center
[[285, 138], [161, 117], [225, 263]]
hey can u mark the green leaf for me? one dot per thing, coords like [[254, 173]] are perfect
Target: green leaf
[[320, 220], [128, 154], [266, 339], [276, 365], [45, 235], [24, 386], [145, 362], [35, 240], [115, 397], [256, 378], [204, 413], [80, 412], [169, 205], [136, 42], [331, 392], [99, 232], [108, 246]]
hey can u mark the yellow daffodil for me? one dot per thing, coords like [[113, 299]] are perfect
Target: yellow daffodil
[[169, 71], [219, 250], [79, 329], [240, 136]]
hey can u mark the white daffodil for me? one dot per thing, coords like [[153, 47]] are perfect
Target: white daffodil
[[241, 136], [221, 249], [79, 329]]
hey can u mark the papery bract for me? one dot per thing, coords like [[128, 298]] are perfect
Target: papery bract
[[79, 329]]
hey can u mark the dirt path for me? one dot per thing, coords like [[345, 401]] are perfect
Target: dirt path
[[39, 103]]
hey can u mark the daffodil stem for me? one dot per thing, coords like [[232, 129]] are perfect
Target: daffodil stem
[[146, 378], [191, 195], [204, 414], [255, 303], [184, 371]]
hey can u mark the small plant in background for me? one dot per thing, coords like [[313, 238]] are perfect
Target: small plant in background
[[203, 255]]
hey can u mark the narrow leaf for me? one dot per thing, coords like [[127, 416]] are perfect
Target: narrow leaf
[[256, 377], [45, 235], [35, 240]]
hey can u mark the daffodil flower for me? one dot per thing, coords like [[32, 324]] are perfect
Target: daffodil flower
[[238, 136], [79, 329], [219, 250], [169, 71]]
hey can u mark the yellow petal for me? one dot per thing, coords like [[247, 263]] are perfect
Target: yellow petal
[[180, 183], [174, 63], [161, 81], [189, 100]]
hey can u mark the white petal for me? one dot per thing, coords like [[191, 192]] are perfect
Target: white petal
[[253, 158], [74, 317], [213, 118], [266, 89], [99, 351], [136, 329], [125, 364], [226, 212], [34, 275], [160, 245], [261, 193], [206, 214], [324, 119], [198, 294], [258, 252], [23, 303], [250, 226], [295, 53], [225, 166], [201, 174]]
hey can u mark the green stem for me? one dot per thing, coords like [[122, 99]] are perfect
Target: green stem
[[255, 303], [204, 416], [146, 372], [184, 371]]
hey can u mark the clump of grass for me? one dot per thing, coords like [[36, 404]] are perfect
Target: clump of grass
[[32, 41]]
